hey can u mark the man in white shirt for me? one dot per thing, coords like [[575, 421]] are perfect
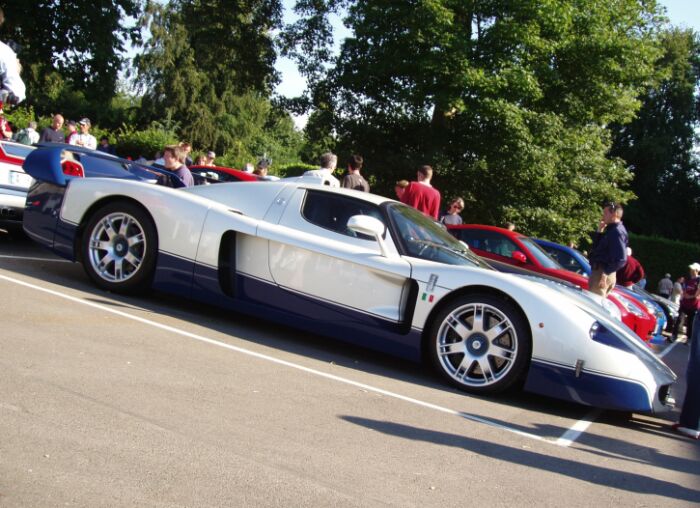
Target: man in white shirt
[[329, 162], [84, 138]]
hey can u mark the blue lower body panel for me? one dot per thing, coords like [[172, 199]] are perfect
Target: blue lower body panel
[[271, 302], [589, 388]]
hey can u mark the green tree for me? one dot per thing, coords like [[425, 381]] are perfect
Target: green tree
[[71, 48], [233, 41], [659, 144], [509, 101], [207, 67]]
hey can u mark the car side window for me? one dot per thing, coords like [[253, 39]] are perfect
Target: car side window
[[332, 211], [566, 260], [489, 241]]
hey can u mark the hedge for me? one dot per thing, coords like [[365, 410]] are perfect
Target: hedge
[[659, 256]]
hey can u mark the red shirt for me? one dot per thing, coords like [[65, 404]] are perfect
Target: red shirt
[[423, 198], [631, 273], [688, 300]]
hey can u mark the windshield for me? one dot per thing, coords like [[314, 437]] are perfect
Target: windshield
[[421, 237], [540, 254]]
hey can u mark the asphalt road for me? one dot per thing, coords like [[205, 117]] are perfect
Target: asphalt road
[[114, 401]]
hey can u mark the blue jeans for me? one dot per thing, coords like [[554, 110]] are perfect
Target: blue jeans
[[690, 415]]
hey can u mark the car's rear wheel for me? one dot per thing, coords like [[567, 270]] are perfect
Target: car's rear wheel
[[119, 248], [480, 343]]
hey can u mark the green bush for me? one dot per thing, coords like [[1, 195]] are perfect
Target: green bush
[[134, 143], [20, 117], [660, 255], [286, 170]]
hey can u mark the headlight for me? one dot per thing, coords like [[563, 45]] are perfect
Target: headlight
[[612, 309], [651, 308], [629, 305]]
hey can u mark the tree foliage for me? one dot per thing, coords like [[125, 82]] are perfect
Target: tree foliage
[[71, 48], [509, 101], [658, 144], [208, 67]]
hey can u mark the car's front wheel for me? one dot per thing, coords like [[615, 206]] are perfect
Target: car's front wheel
[[119, 248], [480, 343]]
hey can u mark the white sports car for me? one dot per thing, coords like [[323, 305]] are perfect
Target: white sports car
[[354, 266]]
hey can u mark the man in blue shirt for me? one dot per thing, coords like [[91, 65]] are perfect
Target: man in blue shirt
[[609, 251]]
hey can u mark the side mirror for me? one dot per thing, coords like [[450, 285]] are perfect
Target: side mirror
[[519, 256], [370, 226]]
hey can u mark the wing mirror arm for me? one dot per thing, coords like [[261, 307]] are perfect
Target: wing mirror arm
[[366, 225]]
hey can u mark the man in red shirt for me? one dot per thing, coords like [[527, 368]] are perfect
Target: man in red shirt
[[421, 195], [632, 272]]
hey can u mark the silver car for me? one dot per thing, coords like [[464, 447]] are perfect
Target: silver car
[[14, 182]]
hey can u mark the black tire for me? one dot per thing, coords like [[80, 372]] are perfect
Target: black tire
[[119, 248], [480, 343]]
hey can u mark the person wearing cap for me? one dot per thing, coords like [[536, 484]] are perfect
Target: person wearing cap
[[210, 158], [665, 286], [690, 301], [609, 250], [84, 138]]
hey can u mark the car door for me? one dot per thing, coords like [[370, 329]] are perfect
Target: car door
[[338, 274]]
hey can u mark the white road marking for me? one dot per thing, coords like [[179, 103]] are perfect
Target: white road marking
[[668, 349], [566, 440], [571, 435], [29, 258]]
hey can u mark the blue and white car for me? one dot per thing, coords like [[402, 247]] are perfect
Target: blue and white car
[[349, 265]]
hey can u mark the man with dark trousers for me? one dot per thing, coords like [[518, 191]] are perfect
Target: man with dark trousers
[[609, 251]]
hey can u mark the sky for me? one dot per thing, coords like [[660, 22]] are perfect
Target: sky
[[682, 13]]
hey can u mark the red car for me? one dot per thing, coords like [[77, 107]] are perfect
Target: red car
[[521, 252], [215, 174]]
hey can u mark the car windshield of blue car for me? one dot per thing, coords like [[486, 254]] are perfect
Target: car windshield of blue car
[[540, 254], [421, 237]]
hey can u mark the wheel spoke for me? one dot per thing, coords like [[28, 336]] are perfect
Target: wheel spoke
[[485, 367], [126, 221], [500, 352], [451, 348], [465, 366], [118, 269], [478, 320], [99, 245], [104, 262], [132, 260], [458, 327], [108, 228], [496, 331], [134, 239]]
